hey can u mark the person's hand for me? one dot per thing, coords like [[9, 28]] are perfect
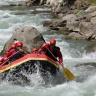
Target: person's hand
[[61, 64], [21, 50]]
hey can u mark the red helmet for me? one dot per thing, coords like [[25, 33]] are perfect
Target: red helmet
[[34, 49], [13, 46], [52, 41], [19, 44]]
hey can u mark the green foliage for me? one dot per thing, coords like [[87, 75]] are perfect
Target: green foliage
[[91, 1]]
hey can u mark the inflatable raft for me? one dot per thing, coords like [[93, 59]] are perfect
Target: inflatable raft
[[30, 63]]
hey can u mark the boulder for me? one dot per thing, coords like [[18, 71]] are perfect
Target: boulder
[[87, 64], [70, 17], [89, 16], [81, 14], [93, 21], [91, 9], [86, 29], [28, 35], [75, 36], [73, 26]]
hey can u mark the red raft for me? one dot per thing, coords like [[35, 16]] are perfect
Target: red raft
[[30, 63]]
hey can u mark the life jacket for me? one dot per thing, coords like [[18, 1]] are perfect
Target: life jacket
[[16, 55], [3, 59], [52, 54]]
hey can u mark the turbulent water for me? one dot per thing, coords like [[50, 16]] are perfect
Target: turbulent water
[[73, 54]]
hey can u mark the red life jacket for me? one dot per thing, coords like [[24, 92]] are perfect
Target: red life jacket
[[53, 51], [3, 59], [14, 54]]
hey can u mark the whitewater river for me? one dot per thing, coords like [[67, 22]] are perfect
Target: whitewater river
[[73, 54]]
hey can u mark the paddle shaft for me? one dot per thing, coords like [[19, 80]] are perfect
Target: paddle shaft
[[8, 59], [55, 57]]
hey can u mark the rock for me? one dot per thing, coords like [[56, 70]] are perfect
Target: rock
[[93, 37], [60, 15], [88, 17], [75, 36], [93, 20], [58, 23], [86, 29], [46, 23], [54, 23], [28, 35], [94, 14], [87, 64], [63, 30], [70, 17], [72, 23], [91, 9], [81, 14], [73, 26]]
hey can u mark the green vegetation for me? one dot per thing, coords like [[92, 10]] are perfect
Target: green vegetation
[[91, 1]]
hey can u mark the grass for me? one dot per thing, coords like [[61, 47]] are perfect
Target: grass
[[91, 1]]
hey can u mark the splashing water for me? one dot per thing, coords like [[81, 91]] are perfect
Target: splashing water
[[73, 52]]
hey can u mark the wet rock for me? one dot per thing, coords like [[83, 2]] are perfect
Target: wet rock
[[87, 64], [63, 30], [54, 23], [46, 23], [58, 23], [93, 37], [75, 36], [28, 35]]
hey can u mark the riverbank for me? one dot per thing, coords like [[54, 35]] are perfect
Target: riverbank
[[75, 19]]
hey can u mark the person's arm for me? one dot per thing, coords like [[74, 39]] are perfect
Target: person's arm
[[23, 51], [1, 60], [44, 47], [10, 52], [7, 56], [60, 57]]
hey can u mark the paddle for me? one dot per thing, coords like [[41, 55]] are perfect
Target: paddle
[[8, 59], [67, 73]]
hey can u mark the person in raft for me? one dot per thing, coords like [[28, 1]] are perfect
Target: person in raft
[[16, 53], [52, 51], [5, 57], [16, 41], [34, 50]]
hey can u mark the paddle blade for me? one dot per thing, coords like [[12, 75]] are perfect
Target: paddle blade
[[68, 74]]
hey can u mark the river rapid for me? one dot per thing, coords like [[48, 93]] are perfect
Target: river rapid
[[73, 52]]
